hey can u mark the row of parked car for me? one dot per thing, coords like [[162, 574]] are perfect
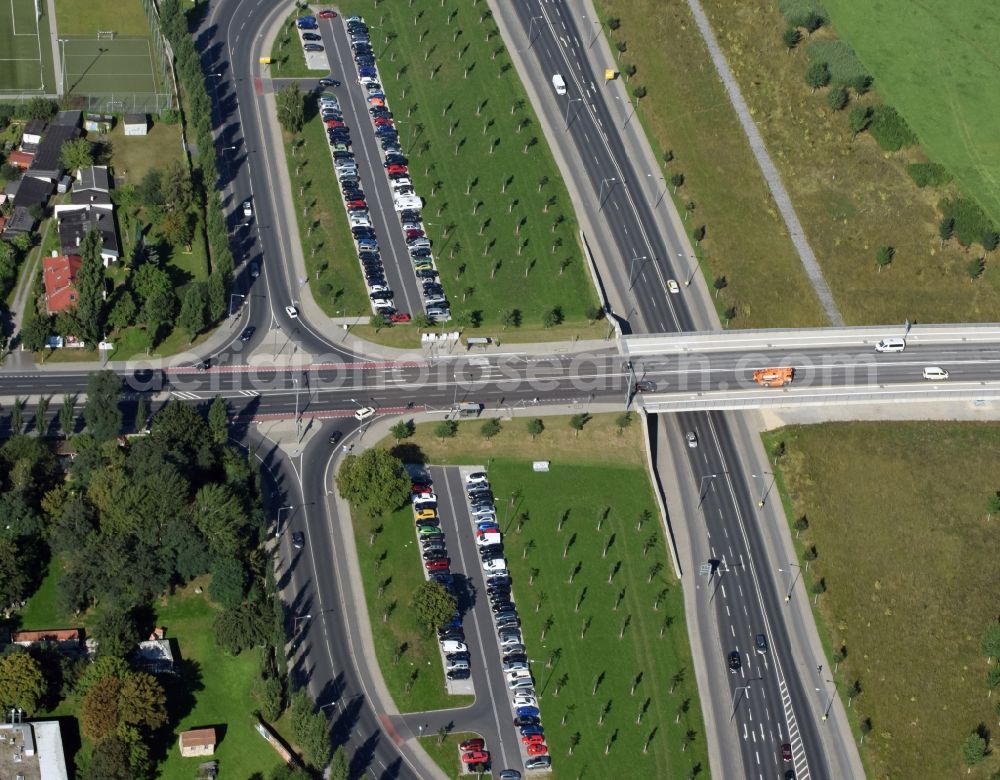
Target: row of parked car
[[516, 669], [404, 197], [345, 167], [437, 565]]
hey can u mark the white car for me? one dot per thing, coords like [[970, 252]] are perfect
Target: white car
[[672, 286], [425, 497], [495, 564], [365, 413], [451, 646], [692, 439], [477, 478], [292, 312], [525, 701], [247, 209], [526, 684]]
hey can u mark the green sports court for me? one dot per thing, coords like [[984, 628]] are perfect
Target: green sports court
[[25, 48], [107, 65]]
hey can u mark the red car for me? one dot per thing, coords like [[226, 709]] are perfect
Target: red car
[[533, 739], [400, 316], [414, 234], [381, 121], [420, 487], [476, 757], [334, 123], [537, 750], [473, 744], [327, 14], [357, 205], [395, 169], [440, 563], [786, 752]]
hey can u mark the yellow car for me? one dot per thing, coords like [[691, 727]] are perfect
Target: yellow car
[[425, 514]]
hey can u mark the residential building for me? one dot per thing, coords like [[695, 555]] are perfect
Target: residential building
[[197, 742], [46, 163], [32, 134], [31, 193], [93, 185], [20, 158], [19, 223], [60, 274], [74, 222]]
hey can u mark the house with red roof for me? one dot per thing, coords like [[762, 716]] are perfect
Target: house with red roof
[[60, 272]]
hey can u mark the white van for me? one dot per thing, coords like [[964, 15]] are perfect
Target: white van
[[935, 372], [891, 344], [559, 84], [488, 538], [494, 565]]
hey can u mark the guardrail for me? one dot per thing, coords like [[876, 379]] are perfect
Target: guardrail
[[974, 392], [775, 339]]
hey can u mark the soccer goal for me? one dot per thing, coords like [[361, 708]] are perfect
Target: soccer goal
[[105, 35]]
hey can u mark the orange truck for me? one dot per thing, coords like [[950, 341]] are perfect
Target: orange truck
[[773, 377]]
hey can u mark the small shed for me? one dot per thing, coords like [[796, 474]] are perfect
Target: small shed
[[98, 123], [33, 131], [136, 124], [197, 742]]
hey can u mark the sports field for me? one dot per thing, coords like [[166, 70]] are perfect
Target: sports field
[[936, 64], [119, 65], [25, 50]]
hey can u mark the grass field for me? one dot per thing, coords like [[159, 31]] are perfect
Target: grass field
[[219, 685], [586, 471], [400, 571], [851, 197], [287, 58], [480, 161], [686, 111], [935, 65], [25, 49], [334, 272], [445, 752], [910, 568]]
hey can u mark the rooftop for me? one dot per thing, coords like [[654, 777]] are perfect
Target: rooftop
[[74, 224], [60, 274], [47, 157], [32, 751]]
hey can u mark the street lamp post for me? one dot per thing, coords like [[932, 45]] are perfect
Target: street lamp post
[[232, 311], [829, 703], [277, 523], [791, 585], [295, 622], [701, 488], [764, 495], [566, 112], [739, 689], [694, 269], [531, 26], [600, 194], [632, 279]]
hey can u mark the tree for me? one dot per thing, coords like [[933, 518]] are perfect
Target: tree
[[269, 693], [67, 415], [639, 92], [123, 311], [837, 98], [623, 421], [35, 333], [17, 416], [375, 478], [115, 631], [883, 257], [614, 22], [433, 604], [101, 412], [142, 702], [817, 75], [800, 525], [177, 227], [378, 321], [228, 583], [973, 750], [946, 228], [339, 769], [791, 37], [193, 316], [859, 119], [975, 267], [446, 429], [90, 289], [402, 430], [177, 188], [149, 192], [76, 154], [141, 412], [39, 108], [291, 109], [989, 645], [990, 240], [677, 180], [99, 710], [218, 420], [490, 428], [720, 283], [219, 515], [22, 681], [535, 427], [240, 629], [310, 730], [114, 758], [577, 421]]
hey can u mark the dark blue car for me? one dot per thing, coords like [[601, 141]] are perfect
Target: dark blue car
[[527, 712]]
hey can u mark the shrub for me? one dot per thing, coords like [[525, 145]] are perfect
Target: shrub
[[845, 67], [837, 98], [971, 224], [817, 75], [803, 13], [890, 130], [170, 116], [928, 174]]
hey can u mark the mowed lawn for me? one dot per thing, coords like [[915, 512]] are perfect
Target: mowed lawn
[[212, 689], [504, 232], [910, 564], [852, 197], [686, 111], [625, 634], [25, 49], [935, 64]]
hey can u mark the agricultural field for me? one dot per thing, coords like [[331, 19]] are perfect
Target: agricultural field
[[935, 65], [909, 565]]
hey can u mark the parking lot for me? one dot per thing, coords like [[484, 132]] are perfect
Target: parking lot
[[506, 748]]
